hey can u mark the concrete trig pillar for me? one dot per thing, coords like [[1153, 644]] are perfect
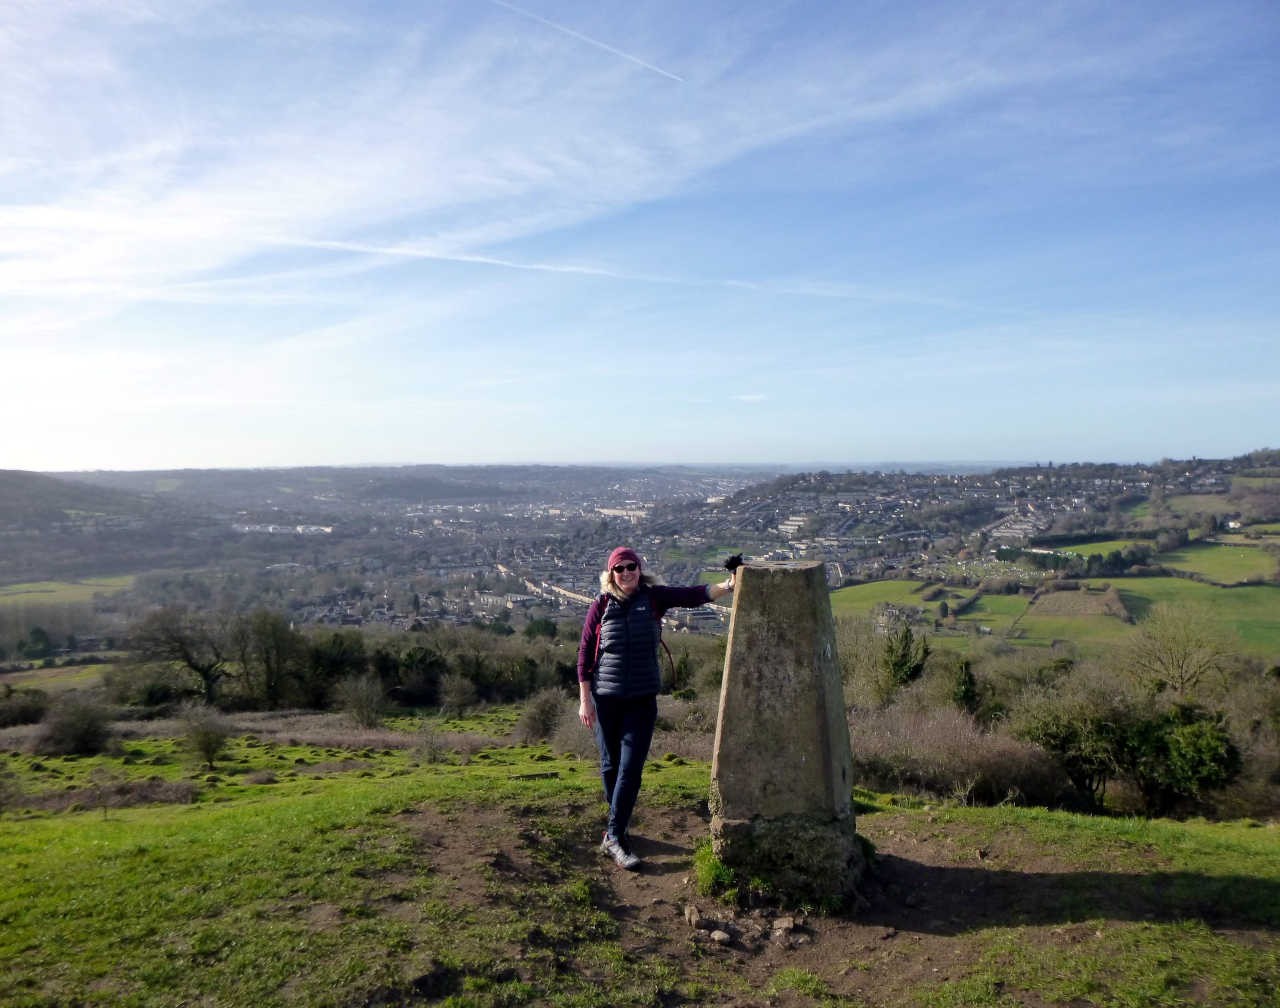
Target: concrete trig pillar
[[782, 773]]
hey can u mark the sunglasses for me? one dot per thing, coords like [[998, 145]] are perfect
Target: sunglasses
[[625, 567]]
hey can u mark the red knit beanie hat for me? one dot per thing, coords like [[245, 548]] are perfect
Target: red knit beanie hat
[[621, 555]]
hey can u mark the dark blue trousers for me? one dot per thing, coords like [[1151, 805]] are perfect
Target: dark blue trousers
[[624, 730]]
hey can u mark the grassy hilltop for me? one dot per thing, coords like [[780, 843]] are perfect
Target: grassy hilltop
[[438, 863], [260, 849]]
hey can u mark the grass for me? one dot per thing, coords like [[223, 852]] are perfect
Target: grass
[[1108, 949], [272, 887], [1102, 547], [1221, 562], [1089, 633], [1225, 563], [1191, 504], [217, 901], [296, 877], [1254, 482], [1247, 612], [1197, 862], [1137, 965], [861, 599], [58, 679], [801, 981], [190, 892], [63, 592], [996, 612]]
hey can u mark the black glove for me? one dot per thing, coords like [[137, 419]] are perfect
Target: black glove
[[733, 563]]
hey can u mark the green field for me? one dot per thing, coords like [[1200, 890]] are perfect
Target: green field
[[1224, 563], [301, 875], [1243, 539], [1103, 546], [1254, 482], [63, 592], [997, 613], [1214, 504], [57, 680], [1249, 613], [1089, 633], [859, 600], [1140, 510]]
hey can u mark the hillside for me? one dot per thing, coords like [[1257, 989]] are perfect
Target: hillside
[[354, 874], [35, 500], [56, 528], [339, 490]]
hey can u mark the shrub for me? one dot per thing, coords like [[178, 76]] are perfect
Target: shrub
[[1100, 730], [696, 714], [430, 745], [74, 726], [858, 645], [945, 754], [107, 790], [902, 655], [419, 670], [206, 729], [1006, 674], [146, 684], [570, 738], [540, 717], [1174, 756], [1253, 718], [361, 697], [1082, 720], [22, 706], [949, 681], [457, 693], [541, 627], [10, 790]]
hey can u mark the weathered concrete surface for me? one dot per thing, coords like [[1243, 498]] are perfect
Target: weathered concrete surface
[[782, 771]]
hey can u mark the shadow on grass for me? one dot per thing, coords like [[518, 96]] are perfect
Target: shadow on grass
[[911, 896]]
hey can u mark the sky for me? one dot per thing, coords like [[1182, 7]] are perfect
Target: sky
[[269, 233]]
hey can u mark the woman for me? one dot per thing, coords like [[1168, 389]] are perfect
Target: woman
[[619, 680]]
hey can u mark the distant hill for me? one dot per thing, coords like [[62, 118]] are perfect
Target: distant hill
[[305, 489], [337, 490], [32, 499]]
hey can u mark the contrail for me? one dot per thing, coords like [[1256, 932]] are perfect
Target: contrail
[[587, 39], [835, 292], [410, 252]]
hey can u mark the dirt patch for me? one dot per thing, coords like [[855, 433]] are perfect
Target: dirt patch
[[109, 793], [1081, 602], [936, 893]]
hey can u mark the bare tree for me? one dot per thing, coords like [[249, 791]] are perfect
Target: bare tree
[[1180, 648], [187, 638]]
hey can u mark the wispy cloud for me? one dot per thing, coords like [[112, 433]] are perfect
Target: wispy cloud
[[586, 38], [410, 187]]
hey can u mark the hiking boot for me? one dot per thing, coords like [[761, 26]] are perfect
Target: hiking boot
[[622, 857]]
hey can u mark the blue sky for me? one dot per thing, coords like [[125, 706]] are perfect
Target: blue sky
[[468, 231]]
